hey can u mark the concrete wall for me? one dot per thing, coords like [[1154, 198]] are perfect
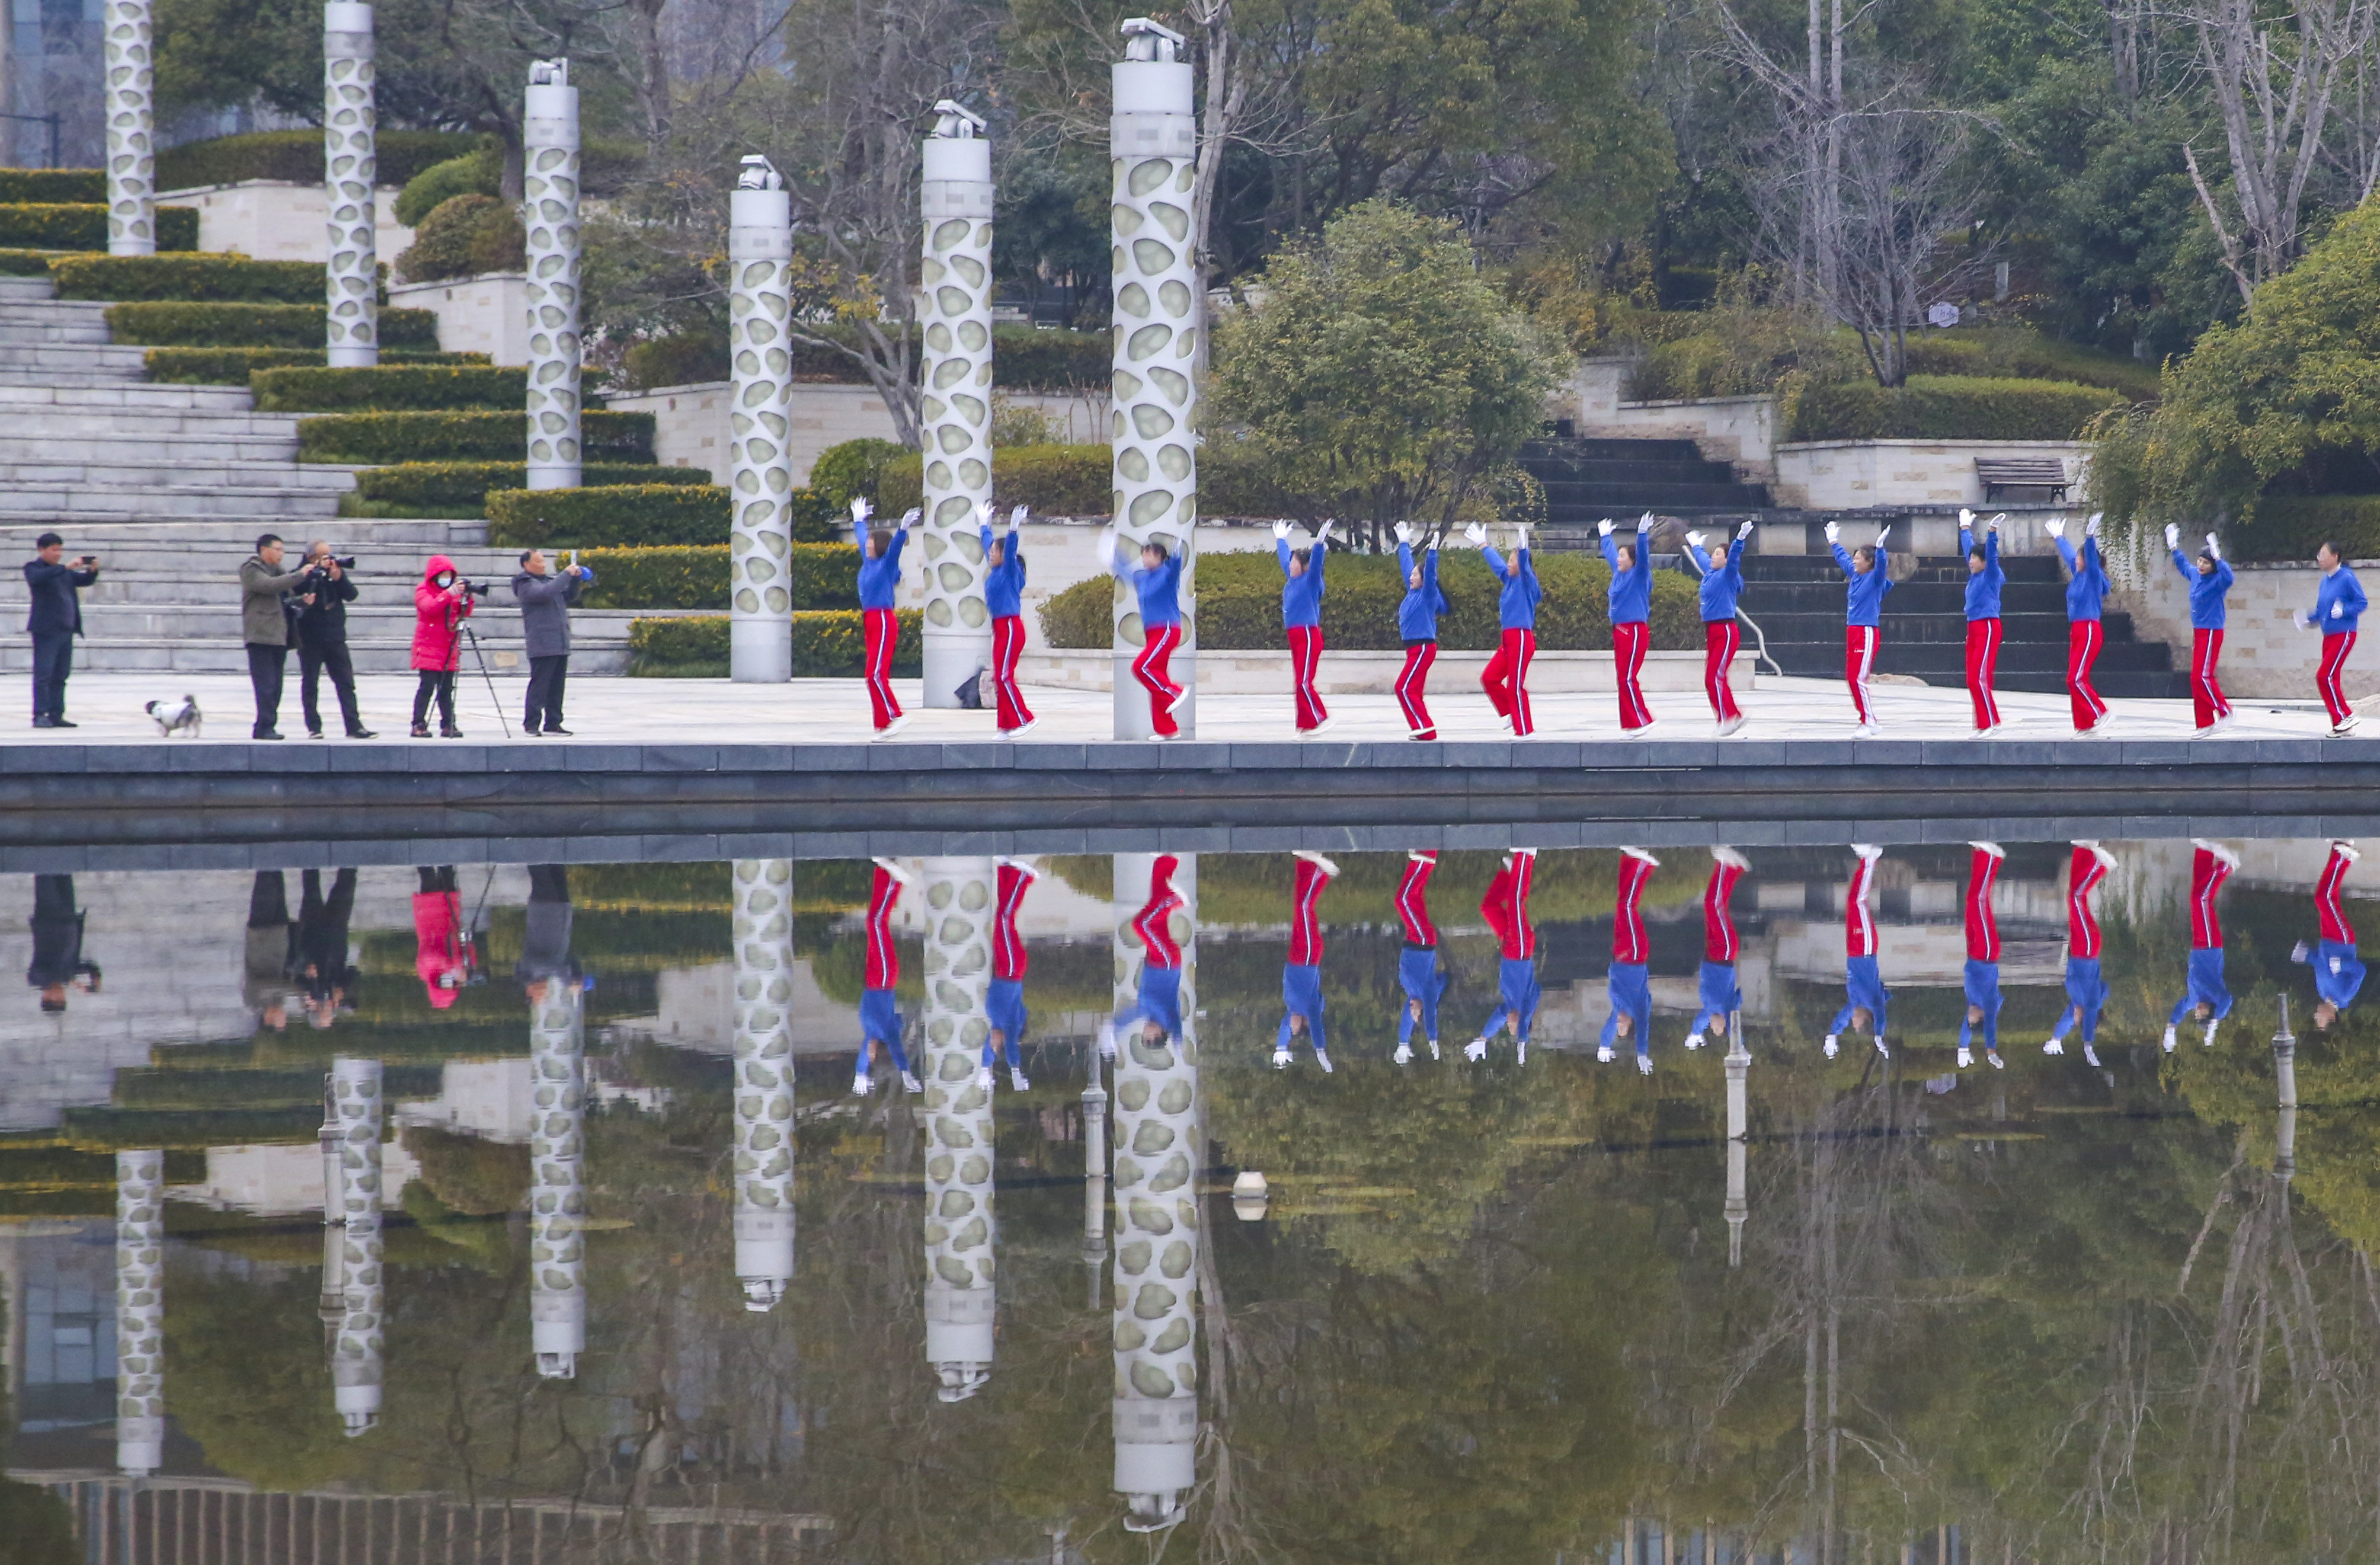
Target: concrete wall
[[273, 220], [1739, 430], [488, 313], [1848, 474], [2264, 654]]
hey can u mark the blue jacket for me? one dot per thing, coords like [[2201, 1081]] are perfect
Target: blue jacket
[[1720, 588], [1004, 584], [1160, 601], [2206, 986], [1517, 995], [879, 579], [1631, 590], [2205, 591], [880, 1017], [1158, 999], [1417, 973], [1983, 586], [2342, 592], [1003, 1008], [1632, 996], [2090, 586], [1517, 602], [2338, 972], [1981, 984], [1301, 596], [2086, 995], [57, 611], [1863, 596], [1718, 994], [1417, 616], [1300, 994], [1862, 986]]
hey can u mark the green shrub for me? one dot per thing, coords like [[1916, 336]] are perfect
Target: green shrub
[[2014, 352], [466, 235], [296, 156], [1053, 480], [633, 514], [855, 467], [479, 172], [827, 643], [233, 366], [200, 278], [1025, 359], [820, 576], [686, 358], [1022, 358], [452, 489], [1239, 606], [463, 437], [2289, 527], [388, 388], [254, 325], [1948, 407], [83, 227], [29, 262], [79, 185]]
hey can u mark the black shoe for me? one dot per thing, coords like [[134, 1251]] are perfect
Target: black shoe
[[62, 723], [266, 734], [421, 730], [361, 733], [552, 731], [450, 733], [313, 733], [529, 733], [46, 722]]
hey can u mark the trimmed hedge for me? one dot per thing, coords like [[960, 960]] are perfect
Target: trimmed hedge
[[389, 388], [1239, 606], [463, 437], [1022, 358], [821, 575], [82, 226], [1053, 480], [30, 262], [1948, 407], [2289, 527], [828, 644], [296, 156], [619, 515], [451, 489], [80, 186], [233, 366], [207, 278], [177, 325]]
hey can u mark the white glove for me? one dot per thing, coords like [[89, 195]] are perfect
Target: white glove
[[1829, 1046], [860, 510], [2209, 1039], [2300, 952], [2055, 527], [2213, 547], [2168, 1040], [1882, 536], [1281, 532], [1603, 528], [1435, 540], [1403, 1054], [1994, 525], [1521, 536], [1645, 522], [2339, 611], [1475, 1049], [2172, 536], [1966, 519], [1324, 536], [983, 514], [1966, 1057], [1694, 1040], [1745, 532], [1018, 516], [2053, 1046], [1834, 532], [909, 517], [1696, 539], [1643, 1065], [1404, 533], [1476, 534], [2091, 528]]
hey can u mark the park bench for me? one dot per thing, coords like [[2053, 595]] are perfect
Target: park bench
[[1997, 473]]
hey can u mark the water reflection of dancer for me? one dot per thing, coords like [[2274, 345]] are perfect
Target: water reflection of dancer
[[1864, 996], [1630, 986], [2337, 971], [1301, 976], [879, 1014], [2206, 998], [1418, 970], [2087, 990], [1983, 972], [1156, 1004], [1718, 994], [1506, 908], [1003, 998]]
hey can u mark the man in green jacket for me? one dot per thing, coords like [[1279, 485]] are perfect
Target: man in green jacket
[[265, 625]]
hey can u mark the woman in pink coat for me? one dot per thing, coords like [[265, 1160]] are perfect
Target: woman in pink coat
[[440, 605]]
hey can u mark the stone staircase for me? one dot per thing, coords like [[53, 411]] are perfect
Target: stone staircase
[[1587, 479]]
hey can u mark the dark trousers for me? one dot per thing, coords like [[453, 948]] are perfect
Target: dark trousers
[[438, 683], [265, 667], [313, 660], [53, 658], [546, 675]]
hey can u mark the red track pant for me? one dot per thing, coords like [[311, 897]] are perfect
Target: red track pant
[[1721, 638], [1412, 901], [2207, 875], [2085, 639], [1859, 916], [1150, 668], [1506, 908], [1718, 923], [1983, 668], [2206, 689], [1628, 942], [1305, 929], [1412, 688], [2333, 665], [2335, 927], [1305, 661], [1007, 646], [1009, 958], [1627, 644], [1860, 642], [1153, 923], [882, 632], [2083, 874], [1506, 680], [884, 959], [1982, 869]]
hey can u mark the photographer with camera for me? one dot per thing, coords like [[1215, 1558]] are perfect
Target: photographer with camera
[[441, 603], [267, 623], [54, 623], [323, 599], [545, 599]]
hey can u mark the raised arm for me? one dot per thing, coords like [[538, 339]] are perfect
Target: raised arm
[[1404, 560], [2066, 553]]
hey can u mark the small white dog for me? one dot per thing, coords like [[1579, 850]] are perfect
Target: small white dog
[[176, 715]]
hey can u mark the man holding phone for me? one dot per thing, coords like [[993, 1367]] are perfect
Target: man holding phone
[[545, 598], [55, 621]]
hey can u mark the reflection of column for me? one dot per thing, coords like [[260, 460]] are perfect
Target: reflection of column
[[1157, 1153], [764, 1079], [140, 1312], [2285, 1073], [760, 305], [131, 123], [960, 1232], [1095, 1180], [954, 290], [332, 1302], [1739, 1064], [350, 164], [549, 213], [355, 1355], [1152, 143], [557, 1197]]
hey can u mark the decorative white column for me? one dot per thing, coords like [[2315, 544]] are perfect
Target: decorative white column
[[954, 295], [1739, 1121], [764, 1079], [549, 212], [1157, 1153], [1152, 139], [140, 1313], [960, 1228], [759, 304], [557, 1196], [331, 1303], [350, 163], [1095, 1178], [131, 123], [355, 1100]]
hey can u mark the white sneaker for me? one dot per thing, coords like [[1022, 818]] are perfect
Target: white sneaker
[[1016, 1081], [2206, 732], [1476, 1050], [1316, 859], [983, 1076], [1966, 1058], [1731, 858], [910, 1083], [1179, 697], [1280, 1059], [1694, 1040], [1829, 1047], [1422, 855], [1318, 729], [1107, 1039], [1643, 1065], [1994, 849], [1726, 727], [2346, 849], [2222, 854], [894, 726], [1404, 1055], [1870, 730], [2053, 1046], [859, 1085], [896, 870], [1528, 854], [1603, 1054], [1020, 729], [2222, 723], [1642, 857], [2345, 727], [1867, 851]]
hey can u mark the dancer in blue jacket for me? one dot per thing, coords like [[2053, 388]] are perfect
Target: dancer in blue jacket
[[2210, 582], [2206, 998], [1417, 970], [1506, 677], [1864, 996], [1301, 976], [1418, 627], [2337, 970], [880, 1012], [2339, 608], [1506, 908], [1300, 620], [1866, 582], [2087, 637], [1156, 583], [1631, 614], [879, 587], [1003, 598], [1629, 982], [1003, 998], [1722, 636], [1985, 579], [1981, 979], [2086, 987]]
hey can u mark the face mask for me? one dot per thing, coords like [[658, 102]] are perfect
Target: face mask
[[445, 578]]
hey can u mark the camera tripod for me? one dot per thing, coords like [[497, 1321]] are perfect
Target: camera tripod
[[473, 637]]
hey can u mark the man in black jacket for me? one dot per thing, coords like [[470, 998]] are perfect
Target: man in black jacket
[[54, 623], [322, 639]]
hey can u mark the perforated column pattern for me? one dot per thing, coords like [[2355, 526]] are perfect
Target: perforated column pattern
[[140, 1312], [350, 163], [549, 213], [558, 1210], [764, 1079], [358, 1110], [961, 1228], [954, 297], [131, 124], [760, 305]]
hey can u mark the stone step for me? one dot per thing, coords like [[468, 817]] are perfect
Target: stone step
[[76, 356], [27, 290], [57, 424], [27, 334], [261, 502], [11, 376], [51, 308], [195, 469], [16, 401], [179, 450], [169, 657]]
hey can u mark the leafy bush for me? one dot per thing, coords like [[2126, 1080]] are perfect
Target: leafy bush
[[687, 359], [29, 262], [83, 225], [1239, 606], [855, 467], [1745, 350], [79, 186], [1053, 480], [233, 366], [255, 326], [2015, 353], [463, 437], [296, 156], [452, 489], [2291, 527], [464, 236], [201, 278], [820, 576], [479, 172], [1022, 358], [827, 643], [633, 514], [389, 388], [1947, 408]]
